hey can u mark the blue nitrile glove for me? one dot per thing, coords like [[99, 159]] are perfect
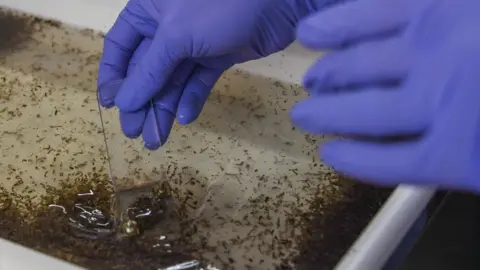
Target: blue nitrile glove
[[435, 63], [146, 121], [193, 43]]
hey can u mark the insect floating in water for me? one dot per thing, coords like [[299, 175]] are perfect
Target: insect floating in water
[[130, 228], [146, 211]]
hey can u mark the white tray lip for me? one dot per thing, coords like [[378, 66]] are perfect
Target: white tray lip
[[287, 66], [16, 257]]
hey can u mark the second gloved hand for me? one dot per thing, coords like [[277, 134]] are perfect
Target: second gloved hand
[[193, 43], [409, 69]]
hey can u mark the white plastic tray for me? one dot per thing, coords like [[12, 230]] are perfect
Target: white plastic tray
[[16, 257], [372, 248]]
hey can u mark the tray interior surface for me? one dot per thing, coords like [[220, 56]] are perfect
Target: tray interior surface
[[253, 193]]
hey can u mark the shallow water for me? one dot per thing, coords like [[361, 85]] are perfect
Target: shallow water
[[244, 179]]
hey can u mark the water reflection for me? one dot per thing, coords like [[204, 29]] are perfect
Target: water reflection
[[150, 223], [90, 222]]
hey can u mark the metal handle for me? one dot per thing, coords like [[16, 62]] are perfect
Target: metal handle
[[385, 232]]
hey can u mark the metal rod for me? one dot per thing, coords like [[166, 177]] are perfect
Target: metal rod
[[107, 152], [386, 231]]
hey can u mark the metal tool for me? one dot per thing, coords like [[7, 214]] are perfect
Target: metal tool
[[152, 105], [110, 172], [123, 197]]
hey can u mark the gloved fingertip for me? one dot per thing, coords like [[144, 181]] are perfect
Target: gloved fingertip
[[152, 146], [304, 116], [371, 162], [124, 101], [132, 123], [128, 98], [132, 134], [166, 127], [296, 114], [328, 153], [156, 130], [309, 82], [107, 104], [151, 138], [188, 114], [317, 83], [314, 36], [106, 93], [183, 118], [331, 154], [304, 34]]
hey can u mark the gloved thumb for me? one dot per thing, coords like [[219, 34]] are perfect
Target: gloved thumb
[[152, 73]]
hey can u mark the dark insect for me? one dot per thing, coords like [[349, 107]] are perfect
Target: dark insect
[[146, 211]]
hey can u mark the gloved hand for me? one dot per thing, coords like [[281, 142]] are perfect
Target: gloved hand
[[156, 117], [193, 43], [411, 69]]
